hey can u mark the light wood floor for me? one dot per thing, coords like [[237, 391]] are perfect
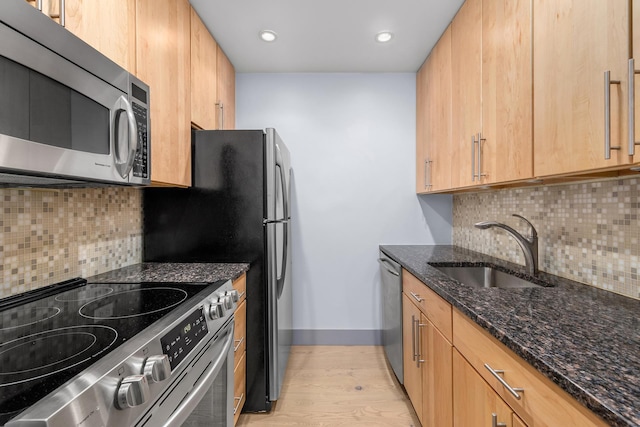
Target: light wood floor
[[338, 386]]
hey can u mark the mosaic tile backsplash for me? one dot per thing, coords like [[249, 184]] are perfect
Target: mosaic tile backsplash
[[588, 232], [47, 236]]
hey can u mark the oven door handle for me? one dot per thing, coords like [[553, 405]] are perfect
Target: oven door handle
[[196, 394]]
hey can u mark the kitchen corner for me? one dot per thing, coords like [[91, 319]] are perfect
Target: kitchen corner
[[583, 339]]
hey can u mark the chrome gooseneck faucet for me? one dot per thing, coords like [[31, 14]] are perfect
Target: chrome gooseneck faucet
[[529, 245]]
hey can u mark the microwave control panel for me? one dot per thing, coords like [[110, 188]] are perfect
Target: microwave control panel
[[141, 162]]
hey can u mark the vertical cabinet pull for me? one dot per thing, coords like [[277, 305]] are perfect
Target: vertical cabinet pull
[[607, 114], [480, 140], [473, 158], [220, 107], [413, 336], [632, 107], [39, 5], [61, 13], [495, 423], [418, 335], [427, 172]]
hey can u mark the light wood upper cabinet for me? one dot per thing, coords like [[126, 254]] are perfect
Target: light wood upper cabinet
[[226, 92], [433, 119], [466, 71], [163, 51], [204, 76], [575, 43], [474, 401], [507, 91], [108, 26]]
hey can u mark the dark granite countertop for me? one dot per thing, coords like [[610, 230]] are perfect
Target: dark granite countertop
[[584, 339], [173, 272]]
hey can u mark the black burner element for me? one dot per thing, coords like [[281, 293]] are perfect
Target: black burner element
[[133, 303]]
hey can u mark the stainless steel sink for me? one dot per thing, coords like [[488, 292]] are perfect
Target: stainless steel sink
[[486, 277]]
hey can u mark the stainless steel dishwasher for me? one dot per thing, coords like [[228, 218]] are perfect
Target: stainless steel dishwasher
[[391, 280]]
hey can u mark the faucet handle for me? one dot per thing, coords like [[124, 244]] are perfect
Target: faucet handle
[[534, 233]]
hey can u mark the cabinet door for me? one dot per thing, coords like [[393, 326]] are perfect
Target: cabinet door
[[226, 92], [163, 51], [517, 422], [411, 350], [439, 114], [108, 26], [466, 47], [437, 380], [507, 84], [422, 122], [635, 29], [574, 43], [475, 404], [204, 53]]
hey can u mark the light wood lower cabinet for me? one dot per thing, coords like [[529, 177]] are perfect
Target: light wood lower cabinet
[[445, 376], [240, 347], [427, 355], [475, 403]]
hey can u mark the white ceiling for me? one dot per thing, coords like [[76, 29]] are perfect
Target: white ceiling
[[350, 26]]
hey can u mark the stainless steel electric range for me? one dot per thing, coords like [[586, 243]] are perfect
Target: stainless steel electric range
[[118, 354]]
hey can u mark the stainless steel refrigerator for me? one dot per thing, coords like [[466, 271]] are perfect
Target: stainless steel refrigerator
[[237, 210]]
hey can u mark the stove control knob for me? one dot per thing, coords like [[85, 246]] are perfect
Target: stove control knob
[[235, 296], [157, 368], [227, 301], [216, 310], [133, 391]]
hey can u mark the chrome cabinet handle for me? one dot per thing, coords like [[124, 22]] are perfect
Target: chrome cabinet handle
[[220, 107], [417, 297], [473, 158], [39, 5], [241, 294], [418, 335], [237, 405], [607, 114], [238, 344], [480, 139], [494, 421], [512, 390], [632, 107], [427, 168], [413, 337], [60, 14]]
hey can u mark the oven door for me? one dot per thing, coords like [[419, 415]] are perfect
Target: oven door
[[203, 394], [59, 120]]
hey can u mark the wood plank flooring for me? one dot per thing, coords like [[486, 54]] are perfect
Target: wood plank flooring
[[338, 386]]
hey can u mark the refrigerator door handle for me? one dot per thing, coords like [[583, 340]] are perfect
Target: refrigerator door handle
[[280, 280], [283, 181]]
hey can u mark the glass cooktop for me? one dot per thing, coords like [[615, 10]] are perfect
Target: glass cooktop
[[50, 335]]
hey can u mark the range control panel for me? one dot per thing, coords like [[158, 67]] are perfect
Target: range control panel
[[183, 338]]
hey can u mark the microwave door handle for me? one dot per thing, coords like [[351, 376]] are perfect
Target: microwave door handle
[[124, 167]]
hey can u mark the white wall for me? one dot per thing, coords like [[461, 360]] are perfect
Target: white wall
[[352, 142]]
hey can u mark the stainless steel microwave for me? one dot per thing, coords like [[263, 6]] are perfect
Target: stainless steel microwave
[[68, 114]]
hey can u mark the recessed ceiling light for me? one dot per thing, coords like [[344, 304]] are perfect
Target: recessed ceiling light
[[268, 35], [384, 37]]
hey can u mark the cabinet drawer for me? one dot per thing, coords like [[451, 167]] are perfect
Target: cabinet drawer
[[240, 332], [239, 387], [542, 403], [431, 304], [240, 285]]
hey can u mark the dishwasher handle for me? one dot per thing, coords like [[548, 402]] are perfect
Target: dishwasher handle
[[384, 262]]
